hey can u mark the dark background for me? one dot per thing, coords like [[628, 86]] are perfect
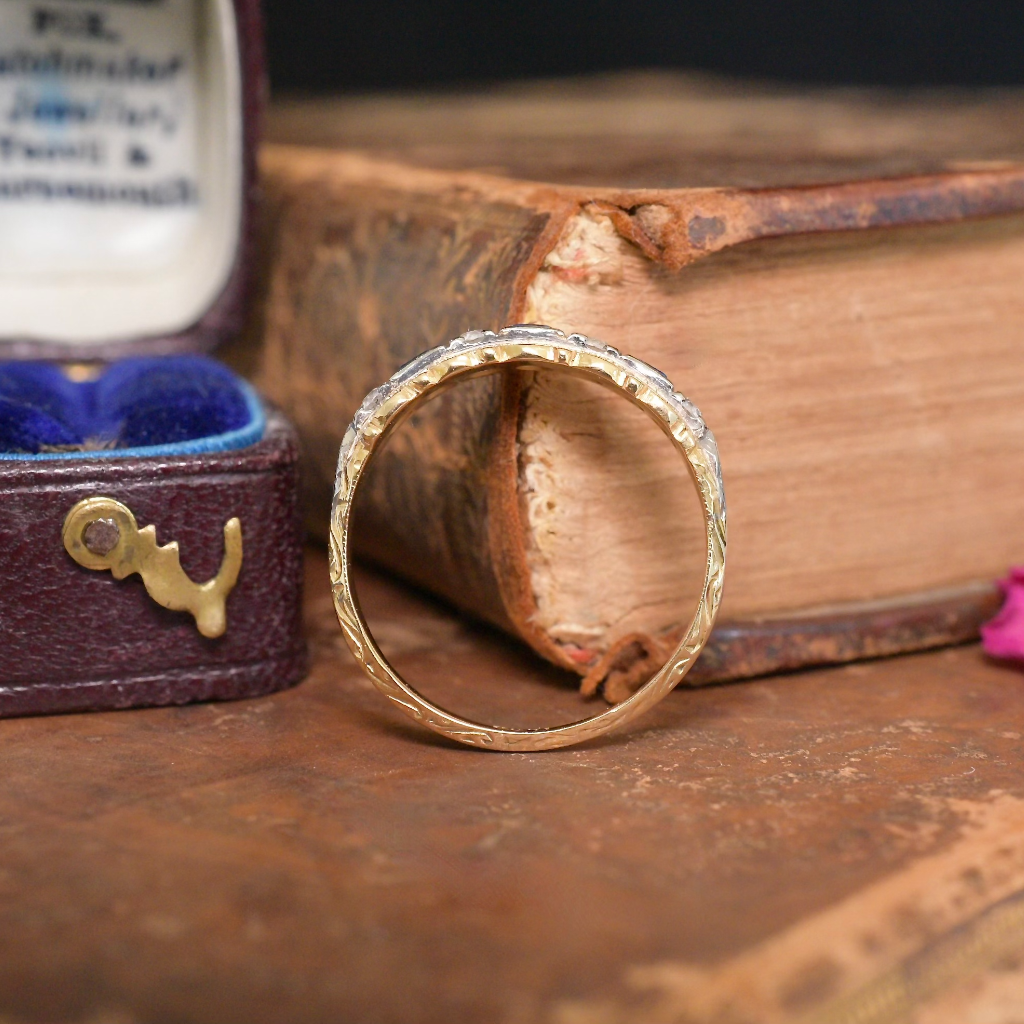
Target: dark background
[[340, 45]]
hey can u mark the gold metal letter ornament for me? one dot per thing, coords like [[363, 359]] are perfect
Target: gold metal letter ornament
[[479, 352], [101, 533]]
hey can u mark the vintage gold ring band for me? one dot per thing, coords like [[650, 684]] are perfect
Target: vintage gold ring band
[[479, 352]]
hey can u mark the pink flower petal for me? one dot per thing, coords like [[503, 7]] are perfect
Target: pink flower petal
[[1003, 636]]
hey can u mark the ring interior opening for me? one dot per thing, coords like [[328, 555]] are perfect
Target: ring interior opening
[[605, 522]]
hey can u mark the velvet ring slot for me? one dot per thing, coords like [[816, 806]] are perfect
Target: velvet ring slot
[[154, 405]]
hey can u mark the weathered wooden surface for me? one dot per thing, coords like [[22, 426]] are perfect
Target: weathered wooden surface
[[668, 130], [755, 852]]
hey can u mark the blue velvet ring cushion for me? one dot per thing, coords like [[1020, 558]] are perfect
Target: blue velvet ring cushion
[[157, 405]]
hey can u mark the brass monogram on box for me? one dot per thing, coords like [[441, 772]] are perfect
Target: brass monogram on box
[[101, 533]]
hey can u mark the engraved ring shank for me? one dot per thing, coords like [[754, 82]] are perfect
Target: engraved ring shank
[[481, 352]]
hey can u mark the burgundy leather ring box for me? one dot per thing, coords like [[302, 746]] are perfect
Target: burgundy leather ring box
[[150, 536]]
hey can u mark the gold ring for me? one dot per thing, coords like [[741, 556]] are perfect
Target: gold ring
[[479, 352]]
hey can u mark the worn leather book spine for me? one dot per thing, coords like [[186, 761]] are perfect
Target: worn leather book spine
[[369, 262]]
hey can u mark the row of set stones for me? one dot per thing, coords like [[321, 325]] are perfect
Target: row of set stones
[[531, 333]]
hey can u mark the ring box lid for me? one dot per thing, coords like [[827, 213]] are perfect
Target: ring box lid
[[128, 136]]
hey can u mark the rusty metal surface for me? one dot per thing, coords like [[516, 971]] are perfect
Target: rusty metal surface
[[312, 857]]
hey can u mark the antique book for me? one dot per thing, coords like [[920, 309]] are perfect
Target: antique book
[[835, 279]]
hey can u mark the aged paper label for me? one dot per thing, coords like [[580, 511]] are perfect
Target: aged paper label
[[98, 132]]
